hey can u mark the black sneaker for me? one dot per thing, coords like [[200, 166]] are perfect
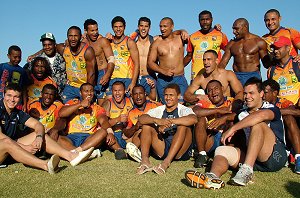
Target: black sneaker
[[200, 161], [120, 154]]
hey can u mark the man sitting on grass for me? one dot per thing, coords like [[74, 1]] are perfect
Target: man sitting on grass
[[262, 123], [166, 129]]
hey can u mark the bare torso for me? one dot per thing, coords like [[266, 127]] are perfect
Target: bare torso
[[143, 48]]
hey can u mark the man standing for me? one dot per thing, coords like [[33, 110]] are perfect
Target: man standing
[[168, 49], [247, 50], [207, 38], [80, 63]]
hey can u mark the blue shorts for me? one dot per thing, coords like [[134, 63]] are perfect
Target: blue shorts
[[163, 81], [217, 142], [244, 76], [144, 83], [100, 90], [78, 138], [126, 81], [120, 140], [70, 93], [168, 141]]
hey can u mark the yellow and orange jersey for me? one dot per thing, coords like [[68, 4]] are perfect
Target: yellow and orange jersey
[[115, 111], [288, 81], [134, 113], [85, 120], [290, 33], [34, 90], [283, 103], [123, 63], [75, 66], [47, 116], [199, 43]]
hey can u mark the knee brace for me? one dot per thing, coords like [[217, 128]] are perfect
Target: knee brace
[[229, 152]]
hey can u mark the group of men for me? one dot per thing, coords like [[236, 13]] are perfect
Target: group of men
[[144, 100]]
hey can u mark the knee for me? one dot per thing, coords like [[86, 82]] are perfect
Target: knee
[[228, 152]]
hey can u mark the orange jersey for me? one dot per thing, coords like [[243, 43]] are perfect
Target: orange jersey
[[75, 67], [123, 63], [134, 113], [115, 111], [283, 103], [47, 116], [199, 43], [85, 120], [34, 90], [288, 81], [290, 33]]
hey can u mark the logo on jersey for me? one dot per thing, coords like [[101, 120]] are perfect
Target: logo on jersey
[[282, 81], [204, 45]]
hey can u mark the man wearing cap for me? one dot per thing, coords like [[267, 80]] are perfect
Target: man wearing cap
[[57, 62], [285, 71]]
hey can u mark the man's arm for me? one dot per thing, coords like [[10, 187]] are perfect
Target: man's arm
[[106, 47], [226, 56], [31, 57], [134, 53], [204, 112], [292, 110], [152, 57], [129, 132], [187, 59], [60, 48], [185, 120], [68, 110], [147, 119], [90, 60], [235, 85], [263, 53], [189, 95]]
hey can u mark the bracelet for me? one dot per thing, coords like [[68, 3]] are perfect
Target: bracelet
[[39, 136]]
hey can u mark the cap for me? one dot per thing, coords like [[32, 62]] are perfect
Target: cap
[[281, 41], [47, 35]]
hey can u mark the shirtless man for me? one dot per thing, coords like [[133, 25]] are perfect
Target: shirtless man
[[212, 72], [168, 49], [104, 57], [247, 49]]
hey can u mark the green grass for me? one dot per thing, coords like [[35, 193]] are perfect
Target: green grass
[[106, 177]]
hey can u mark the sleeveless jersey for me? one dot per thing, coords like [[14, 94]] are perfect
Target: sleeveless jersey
[[290, 33], [115, 111], [34, 90], [199, 43], [85, 121], [288, 81], [123, 62], [75, 67], [48, 116]]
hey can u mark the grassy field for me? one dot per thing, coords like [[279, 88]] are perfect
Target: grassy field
[[106, 177]]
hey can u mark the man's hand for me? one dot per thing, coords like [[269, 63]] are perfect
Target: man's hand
[[31, 149], [227, 135], [214, 125], [109, 36], [224, 110], [86, 102], [130, 88], [164, 122], [184, 35], [110, 139], [37, 143], [30, 58], [123, 117], [150, 82], [218, 27], [296, 58], [105, 79], [169, 72]]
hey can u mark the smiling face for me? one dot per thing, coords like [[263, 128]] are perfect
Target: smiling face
[[171, 97], [14, 57], [215, 93], [87, 92], [48, 97], [210, 62], [138, 96], [74, 37], [205, 22], [281, 52], [39, 70], [239, 29], [11, 99], [166, 27], [272, 21], [144, 28], [92, 32], [49, 47], [252, 97], [118, 29], [118, 92]]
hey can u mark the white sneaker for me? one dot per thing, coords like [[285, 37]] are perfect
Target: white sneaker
[[133, 151], [52, 164], [95, 154], [243, 176], [82, 156]]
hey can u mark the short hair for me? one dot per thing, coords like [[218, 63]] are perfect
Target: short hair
[[75, 28], [139, 86], [50, 87], [274, 85], [168, 18], [12, 86], [145, 19], [212, 51], [45, 62], [214, 81], [254, 81], [89, 22], [85, 84], [244, 21], [204, 12], [173, 86], [118, 19], [272, 10], [13, 48], [118, 83]]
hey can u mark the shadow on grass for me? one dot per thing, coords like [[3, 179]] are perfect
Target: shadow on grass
[[293, 188], [185, 182]]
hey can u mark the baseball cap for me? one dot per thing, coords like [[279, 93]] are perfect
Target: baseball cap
[[281, 41], [47, 35]]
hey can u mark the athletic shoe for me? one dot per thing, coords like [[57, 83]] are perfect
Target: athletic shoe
[[133, 151], [201, 180], [297, 165], [52, 164], [95, 154], [200, 160], [82, 157], [120, 154], [243, 176]]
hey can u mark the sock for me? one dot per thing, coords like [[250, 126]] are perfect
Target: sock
[[202, 153]]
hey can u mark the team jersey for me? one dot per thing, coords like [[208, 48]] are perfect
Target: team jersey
[[288, 81], [115, 111], [283, 103], [34, 90], [75, 67], [199, 43], [134, 113], [123, 62], [85, 120], [47, 116], [290, 33]]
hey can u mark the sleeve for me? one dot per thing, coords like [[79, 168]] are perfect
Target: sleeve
[[189, 47], [185, 111], [276, 111], [100, 111], [23, 117], [155, 112], [286, 104], [224, 41], [295, 36], [59, 106]]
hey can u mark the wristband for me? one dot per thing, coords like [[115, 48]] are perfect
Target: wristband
[[109, 130], [39, 136]]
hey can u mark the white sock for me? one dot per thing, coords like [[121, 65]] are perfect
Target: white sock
[[202, 153]]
